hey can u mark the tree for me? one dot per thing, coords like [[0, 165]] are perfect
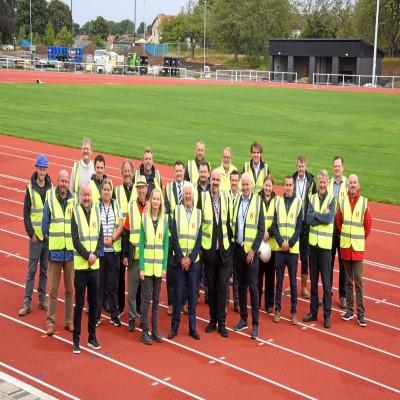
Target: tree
[[99, 27], [172, 30], [140, 29], [59, 15], [64, 37], [7, 20], [49, 35], [39, 15], [21, 34]]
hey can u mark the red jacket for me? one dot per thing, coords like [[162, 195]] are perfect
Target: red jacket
[[350, 253]]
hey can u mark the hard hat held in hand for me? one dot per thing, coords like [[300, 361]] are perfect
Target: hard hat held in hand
[[265, 251]]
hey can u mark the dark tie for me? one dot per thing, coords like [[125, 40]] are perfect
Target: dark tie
[[179, 187]]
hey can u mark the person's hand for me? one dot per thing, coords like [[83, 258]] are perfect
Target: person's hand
[[266, 236], [250, 257], [34, 238], [142, 275], [285, 246], [125, 261], [164, 274], [108, 242], [92, 259]]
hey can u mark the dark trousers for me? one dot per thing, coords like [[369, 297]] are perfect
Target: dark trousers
[[85, 279], [188, 280], [267, 270], [303, 241], [235, 284], [151, 292], [320, 263], [342, 271], [217, 275], [170, 284], [121, 291], [108, 286], [247, 279], [354, 273], [283, 260]]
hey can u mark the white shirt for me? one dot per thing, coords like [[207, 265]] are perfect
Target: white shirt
[[241, 219]]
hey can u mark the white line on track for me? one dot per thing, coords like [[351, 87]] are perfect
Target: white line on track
[[387, 232], [107, 358], [13, 189], [32, 378], [11, 215], [386, 220], [11, 201]]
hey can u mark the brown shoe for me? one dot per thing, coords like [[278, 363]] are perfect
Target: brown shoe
[[42, 306], [277, 316], [304, 292], [69, 327], [294, 319], [287, 291], [25, 310], [169, 310], [50, 330]]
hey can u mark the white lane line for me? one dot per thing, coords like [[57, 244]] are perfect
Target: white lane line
[[14, 178], [32, 378], [13, 189], [107, 358], [11, 215], [11, 201], [383, 266], [389, 233], [386, 220], [13, 233]]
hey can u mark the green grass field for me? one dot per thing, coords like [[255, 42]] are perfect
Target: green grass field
[[363, 127]]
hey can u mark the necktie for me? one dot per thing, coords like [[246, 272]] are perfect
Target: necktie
[[179, 194]]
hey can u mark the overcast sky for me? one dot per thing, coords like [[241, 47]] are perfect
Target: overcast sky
[[117, 10]]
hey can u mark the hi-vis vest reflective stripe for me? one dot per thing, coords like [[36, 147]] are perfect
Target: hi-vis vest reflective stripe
[[342, 189], [36, 211], [353, 233], [60, 237], [153, 244], [269, 218], [233, 201], [88, 235], [135, 219], [287, 221], [187, 231], [117, 212], [208, 222], [251, 221], [75, 172], [171, 197], [95, 192], [321, 235], [256, 184], [123, 200], [157, 178]]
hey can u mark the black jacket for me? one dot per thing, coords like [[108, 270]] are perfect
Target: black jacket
[[311, 188]]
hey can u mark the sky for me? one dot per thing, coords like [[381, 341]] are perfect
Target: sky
[[117, 10]]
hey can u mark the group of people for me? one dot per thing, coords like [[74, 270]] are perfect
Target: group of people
[[203, 229]]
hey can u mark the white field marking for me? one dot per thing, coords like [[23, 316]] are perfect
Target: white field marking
[[14, 189], [14, 178], [389, 233], [211, 358], [13, 233], [107, 358], [30, 388], [11, 201], [381, 265], [386, 220], [11, 215]]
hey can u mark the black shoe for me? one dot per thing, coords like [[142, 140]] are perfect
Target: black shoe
[[94, 344], [212, 326], [222, 330], [361, 320], [309, 317], [269, 310], [327, 322], [254, 332], [115, 321], [172, 334], [194, 335], [76, 348], [155, 335], [145, 337], [240, 325], [348, 316], [131, 325]]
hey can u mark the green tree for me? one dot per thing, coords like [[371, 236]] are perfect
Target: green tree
[[7, 20], [59, 15], [36, 38], [39, 15], [64, 37], [21, 34], [49, 35], [172, 30], [99, 27]]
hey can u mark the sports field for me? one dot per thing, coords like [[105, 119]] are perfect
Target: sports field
[[123, 119]]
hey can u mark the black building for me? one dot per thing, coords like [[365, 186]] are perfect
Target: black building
[[324, 56]]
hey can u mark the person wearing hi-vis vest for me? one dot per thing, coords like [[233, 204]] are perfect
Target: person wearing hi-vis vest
[[56, 227], [267, 269], [354, 224], [216, 251], [153, 255], [123, 194], [338, 188], [320, 217], [185, 227], [225, 169], [97, 178], [112, 222], [147, 169], [88, 239], [35, 196], [248, 232], [130, 250], [286, 227], [256, 167], [82, 170], [192, 170]]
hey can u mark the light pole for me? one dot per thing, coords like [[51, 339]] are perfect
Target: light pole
[[144, 19], [204, 38], [30, 19], [134, 26], [72, 21], [375, 45]]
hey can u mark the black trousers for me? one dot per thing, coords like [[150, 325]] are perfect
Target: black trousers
[[247, 279], [108, 285], [342, 270], [303, 241], [283, 260], [85, 279], [217, 274], [151, 292], [320, 263], [121, 291], [267, 286]]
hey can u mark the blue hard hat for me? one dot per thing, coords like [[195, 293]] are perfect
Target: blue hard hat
[[41, 161]]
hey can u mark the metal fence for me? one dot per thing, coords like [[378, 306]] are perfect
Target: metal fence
[[382, 81], [248, 75]]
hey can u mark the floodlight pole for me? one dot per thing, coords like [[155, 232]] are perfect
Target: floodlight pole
[[375, 45], [30, 19], [204, 38], [134, 27]]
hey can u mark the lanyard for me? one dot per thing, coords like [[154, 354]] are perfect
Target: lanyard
[[302, 192], [244, 212]]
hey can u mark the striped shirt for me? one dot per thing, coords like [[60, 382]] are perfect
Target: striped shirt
[[108, 223]]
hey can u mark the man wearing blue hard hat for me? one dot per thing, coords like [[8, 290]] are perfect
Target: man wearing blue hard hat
[[35, 196]]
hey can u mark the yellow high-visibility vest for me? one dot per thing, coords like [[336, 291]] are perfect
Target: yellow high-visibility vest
[[256, 184], [135, 220], [95, 192], [342, 189], [269, 218], [157, 178], [36, 215], [123, 202], [251, 221], [169, 192], [153, 244], [353, 233], [88, 235], [321, 235], [187, 231], [208, 222], [60, 237], [225, 184], [287, 221]]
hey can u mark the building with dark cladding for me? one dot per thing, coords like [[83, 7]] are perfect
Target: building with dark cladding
[[324, 56]]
